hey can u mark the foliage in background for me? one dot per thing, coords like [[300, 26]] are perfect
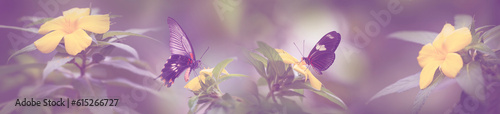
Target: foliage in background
[[479, 77]]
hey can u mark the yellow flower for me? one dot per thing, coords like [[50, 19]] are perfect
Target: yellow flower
[[442, 54], [194, 84], [71, 27], [300, 67]]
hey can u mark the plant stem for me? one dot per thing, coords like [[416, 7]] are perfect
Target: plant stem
[[83, 65], [271, 93]]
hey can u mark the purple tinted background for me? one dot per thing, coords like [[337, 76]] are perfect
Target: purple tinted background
[[388, 60]]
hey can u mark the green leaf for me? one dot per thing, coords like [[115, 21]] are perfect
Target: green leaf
[[126, 48], [225, 77], [258, 58], [300, 91], [97, 57], [8, 69], [423, 94], [463, 21], [93, 36], [274, 59], [476, 37], [32, 30], [484, 27], [261, 81], [470, 79], [254, 89], [289, 93], [193, 104], [38, 21], [219, 67], [125, 33], [492, 33], [330, 96], [290, 106], [399, 86], [107, 50], [57, 61], [271, 72], [299, 84], [259, 66], [492, 37], [28, 48], [419, 37], [268, 52], [484, 49]]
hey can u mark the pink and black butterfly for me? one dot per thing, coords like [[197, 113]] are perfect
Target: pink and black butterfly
[[322, 55], [182, 57]]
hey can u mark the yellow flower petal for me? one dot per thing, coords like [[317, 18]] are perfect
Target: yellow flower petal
[[77, 41], [54, 24], [302, 69], [95, 23], [287, 58], [224, 71], [427, 74], [427, 54], [457, 40], [194, 84], [442, 36], [447, 29], [207, 72], [49, 42], [315, 83], [76, 13], [452, 65]]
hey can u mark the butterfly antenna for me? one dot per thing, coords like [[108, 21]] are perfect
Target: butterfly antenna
[[204, 53], [298, 49], [303, 45]]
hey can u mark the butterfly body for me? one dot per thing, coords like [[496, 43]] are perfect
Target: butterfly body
[[182, 58], [322, 55]]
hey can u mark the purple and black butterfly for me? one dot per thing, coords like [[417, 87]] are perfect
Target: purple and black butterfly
[[182, 58], [322, 55]]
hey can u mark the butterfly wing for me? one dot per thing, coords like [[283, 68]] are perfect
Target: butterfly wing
[[179, 43], [322, 55], [173, 68]]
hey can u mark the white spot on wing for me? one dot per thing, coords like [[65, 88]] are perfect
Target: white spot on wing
[[320, 47], [330, 36]]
